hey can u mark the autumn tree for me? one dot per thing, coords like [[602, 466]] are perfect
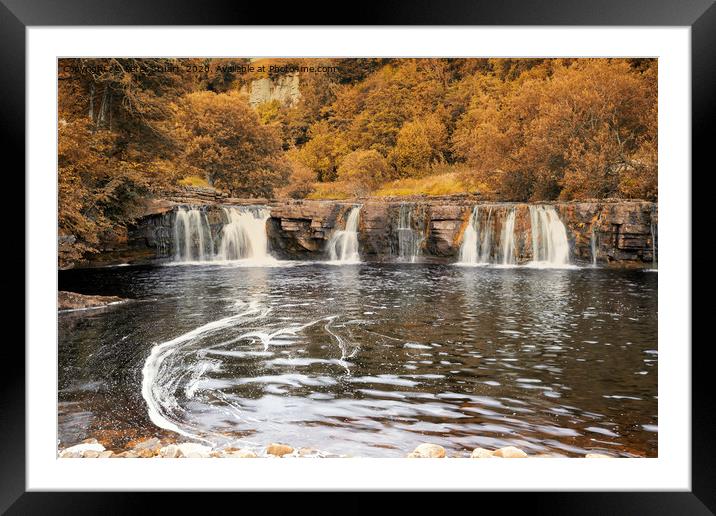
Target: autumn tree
[[225, 141], [363, 171], [420, 144], [576, 132]]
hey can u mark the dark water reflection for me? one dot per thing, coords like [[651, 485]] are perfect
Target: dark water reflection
[[369, 359]]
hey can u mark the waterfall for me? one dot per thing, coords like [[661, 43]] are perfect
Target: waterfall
[[409, 240], [549, 237], [476, 244], [593, 244], [469, 250], [244, 236], [192, 236], [343, 245], [508, 239], [654, 230]]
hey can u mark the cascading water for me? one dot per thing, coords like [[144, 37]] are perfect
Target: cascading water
[[653, 246], [343, 245], [409, 240], [244, 236], [469, 251], [593, 245], [550, 246], [476, 244], [508, 239], [192, 236]]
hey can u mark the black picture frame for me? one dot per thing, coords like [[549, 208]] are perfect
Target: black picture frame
[[17, 15]]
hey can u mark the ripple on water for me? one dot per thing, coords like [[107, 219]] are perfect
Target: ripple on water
[[367, 359]]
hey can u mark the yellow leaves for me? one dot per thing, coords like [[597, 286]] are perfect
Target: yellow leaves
[[559, 133], [363, 170], [420, 144]]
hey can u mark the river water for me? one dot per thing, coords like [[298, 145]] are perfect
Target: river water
[[364, 359]]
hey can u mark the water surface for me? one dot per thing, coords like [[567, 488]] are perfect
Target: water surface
[[365, 359]]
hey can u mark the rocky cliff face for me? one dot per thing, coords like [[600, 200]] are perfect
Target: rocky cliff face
[[622, 233], [284, 89]]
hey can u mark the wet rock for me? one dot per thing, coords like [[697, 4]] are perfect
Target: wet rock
[[481, 453], [428, 451], [74, 301], [278, 450], [597, 456], [509, 452]]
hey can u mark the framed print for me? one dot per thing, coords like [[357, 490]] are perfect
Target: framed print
[[458, 234]]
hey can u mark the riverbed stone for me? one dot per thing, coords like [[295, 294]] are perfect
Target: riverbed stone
[[597, 456], [194, 450], [241, 454], [510, 452], [78, 450], [278, 450], [106, 454], [481, 453], [148, 448], [90, 454], [308, 452], [428, 451], [170, 451]]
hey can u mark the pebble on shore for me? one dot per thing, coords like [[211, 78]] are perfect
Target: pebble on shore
[[155, 448], [428, 451], [278, 450]]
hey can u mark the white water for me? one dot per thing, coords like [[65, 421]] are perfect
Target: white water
[[409, 240], [593, 244], [191, 236], [476, 244], [508, 239], [550, 247], [161, 403], [242, 238], [169, 381], [653, 247], [343, 245]]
